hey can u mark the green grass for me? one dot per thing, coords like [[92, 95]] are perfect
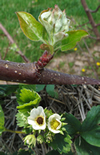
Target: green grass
[[9, 20]]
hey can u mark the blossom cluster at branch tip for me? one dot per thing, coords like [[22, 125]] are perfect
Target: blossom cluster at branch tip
[[56, 23], [37, 119]]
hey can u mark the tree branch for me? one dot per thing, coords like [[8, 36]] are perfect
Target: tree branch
[[93, 11], [12, 42], [29, 73], [96, 32]]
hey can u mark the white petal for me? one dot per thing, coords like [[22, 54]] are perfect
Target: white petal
[[59, 124], [41, 110], [56, 117], [34, 113], [33, 116], [45, 15]]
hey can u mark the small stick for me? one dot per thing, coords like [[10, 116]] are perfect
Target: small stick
[[12, 42]]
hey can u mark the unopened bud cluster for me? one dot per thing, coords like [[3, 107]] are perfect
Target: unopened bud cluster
[[56, 23]]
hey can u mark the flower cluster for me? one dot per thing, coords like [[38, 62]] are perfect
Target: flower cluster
[[37, 119], [56, 23]]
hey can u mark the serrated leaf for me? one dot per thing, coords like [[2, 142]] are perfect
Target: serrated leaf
[[84, 148], [51, 91], [31, 27], [22, 119], [28, 98], [61, 143], [74, 37], [30, 86], [91, 127], [1, 120], [73, 125]]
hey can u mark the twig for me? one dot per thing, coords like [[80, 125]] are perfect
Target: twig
[[93, 11], [6, 52], [95, 90], [89, 60], [12, 41], [88, 94], [96, 32]]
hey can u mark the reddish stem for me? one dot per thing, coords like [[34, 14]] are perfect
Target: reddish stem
[[44, 60]]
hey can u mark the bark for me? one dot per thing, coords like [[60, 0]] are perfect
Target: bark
[[29, 73], [88, 12]]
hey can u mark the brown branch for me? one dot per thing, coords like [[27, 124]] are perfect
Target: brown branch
[[7, 49], [12, 42], [92, 58], [98, 24], [92, 37], [90, 19], [93, 11], [28, 73]]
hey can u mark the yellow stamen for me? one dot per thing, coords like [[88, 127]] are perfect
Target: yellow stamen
[[54, 124]]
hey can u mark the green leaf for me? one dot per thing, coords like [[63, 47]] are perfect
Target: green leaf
[[61, 143], [84, 148], [26, 152], [30, 86], [71, 41], [2, 128], [51, 91], [53, 152], [73, 125], [7, 89], [91, 127], [31, 27], [2, 153], [22, 119], [39, 87], [28, 98]]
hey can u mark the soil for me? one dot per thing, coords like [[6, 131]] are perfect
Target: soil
[[73, 63]]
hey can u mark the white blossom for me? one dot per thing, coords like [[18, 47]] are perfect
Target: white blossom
[[54, 123], [37, 118], [56, 24]]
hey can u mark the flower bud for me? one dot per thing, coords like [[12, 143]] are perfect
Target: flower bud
[[56, 23]]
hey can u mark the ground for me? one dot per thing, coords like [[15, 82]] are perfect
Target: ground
[[73, 63]]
